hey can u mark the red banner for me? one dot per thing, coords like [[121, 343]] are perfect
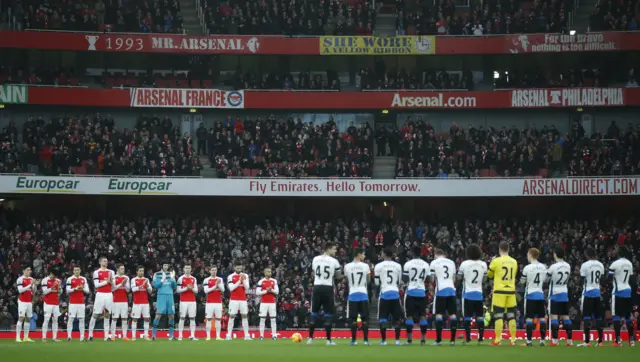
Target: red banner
[[514, 98], [247, 44]]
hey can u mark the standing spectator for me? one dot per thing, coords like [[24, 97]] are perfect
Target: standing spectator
[[201, 134], [6, 320]]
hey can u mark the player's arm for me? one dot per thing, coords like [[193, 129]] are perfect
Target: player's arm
[[492, 269], [127, 285], [96, 281], [68, 286], [85, 287], [205, 286], [338, 273], [45, 290], [246, 282], [405, 274], [612, 272], [523, 277], [232, 285], [259, 290], [21, 289], [376, 275], [220, 285], [180, 289], [275, 290], [134, 288], [149, 290]]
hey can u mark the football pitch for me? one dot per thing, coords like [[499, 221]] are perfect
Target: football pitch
[[285, 350]]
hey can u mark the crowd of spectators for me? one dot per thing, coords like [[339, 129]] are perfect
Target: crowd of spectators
[[285, 245], [534, 78], [145, 16], [503, 17], [511, 152], [58, 76], [274, 147], [378, 78], [92, 144], [302, 81], [610, 15], [338, 17]]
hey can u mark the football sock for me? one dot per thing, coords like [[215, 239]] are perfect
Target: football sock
[[105, 328], [599, 327], [631, 330], [354, 330], [467, 329], [499, 326], [18, 329], [423, 328], [409, 323], [192, 327], [568, 327], [146, 329], [218, 325], [45, 326], [365, 330], [543, 328], [617, 327], [262, 322], [81, 326], [156, 322], [454, 328], [530, 327], [383, 329], [208, 328], [480, 323], [172, 326], [180, 327], [274, 327], [245, 327], [438, 329], [512, 329], [25, 329], [312, 324], [230, 328], [398, 330], [327, 325], [555, 327], [114, 325], [54, 328], [70, 328], [124, 328], [92, 326]]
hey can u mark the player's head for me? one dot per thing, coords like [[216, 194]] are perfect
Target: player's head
[[387, 254], [140, 271], [120, 269], [26, 271], [474, 252], [76, 271], [439, 253], [622, 252], [504, 248], [213, 271], [558, 253], [330, 249], [166, 266], [358, 254], [187, 269], [533, 254], [590, 253], [415, 252], [238, 267], [267, 273], [53, 273], [103, 261]]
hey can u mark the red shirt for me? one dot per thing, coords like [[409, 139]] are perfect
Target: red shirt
[[100, 277], [51, 298], [265, 284], [140, 293], [240, 293], [26, 296], [188, 295], [77, 296], [120, 295], [214, 296]]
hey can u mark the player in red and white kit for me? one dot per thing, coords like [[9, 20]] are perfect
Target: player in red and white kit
[[103, 281], [187, 288], [51, 289], [268, 292], [120, 302], [141, 288], [26, 286], [77, 287], [213, 287], [238, 283]]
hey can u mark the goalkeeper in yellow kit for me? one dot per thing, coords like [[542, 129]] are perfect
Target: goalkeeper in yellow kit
[[503, 270]]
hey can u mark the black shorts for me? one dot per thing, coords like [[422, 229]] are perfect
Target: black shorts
[[622, 307], [534, 309], [559, 308], [390, 308], [322, 298], [472, 308], [358, 308], [415, 307], [592, 307], [445, 305]]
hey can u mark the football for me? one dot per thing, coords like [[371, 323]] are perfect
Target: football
[[296, 338]]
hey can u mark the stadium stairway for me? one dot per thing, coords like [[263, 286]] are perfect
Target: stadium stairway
[[384, 167], [385, 25], [582, 15], [374, 323], [207, 171], [190, 19]]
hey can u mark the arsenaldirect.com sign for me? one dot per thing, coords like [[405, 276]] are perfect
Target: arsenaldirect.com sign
[[596, 186], [186, 98]]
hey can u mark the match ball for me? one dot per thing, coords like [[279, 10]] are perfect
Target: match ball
[[296, 338]]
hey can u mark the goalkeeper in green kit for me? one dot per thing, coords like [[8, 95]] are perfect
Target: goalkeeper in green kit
[[165, 283]]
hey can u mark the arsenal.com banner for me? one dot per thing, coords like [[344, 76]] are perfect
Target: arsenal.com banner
[[394, 100], [259, 44], [186, 98]]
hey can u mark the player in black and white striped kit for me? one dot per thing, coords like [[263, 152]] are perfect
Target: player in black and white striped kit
[[325, 270]]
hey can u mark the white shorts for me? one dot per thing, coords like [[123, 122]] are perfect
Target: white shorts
[[76, 310], [50, 309], [120, 310], [213, 310], [25, 309], [140, 310], [187, 309], [238, 306], [268, 308], [103, 303]]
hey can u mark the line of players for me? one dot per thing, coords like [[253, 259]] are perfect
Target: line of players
[[417, 273], [112, 296]]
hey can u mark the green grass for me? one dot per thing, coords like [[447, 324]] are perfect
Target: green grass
[[284, 350]]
